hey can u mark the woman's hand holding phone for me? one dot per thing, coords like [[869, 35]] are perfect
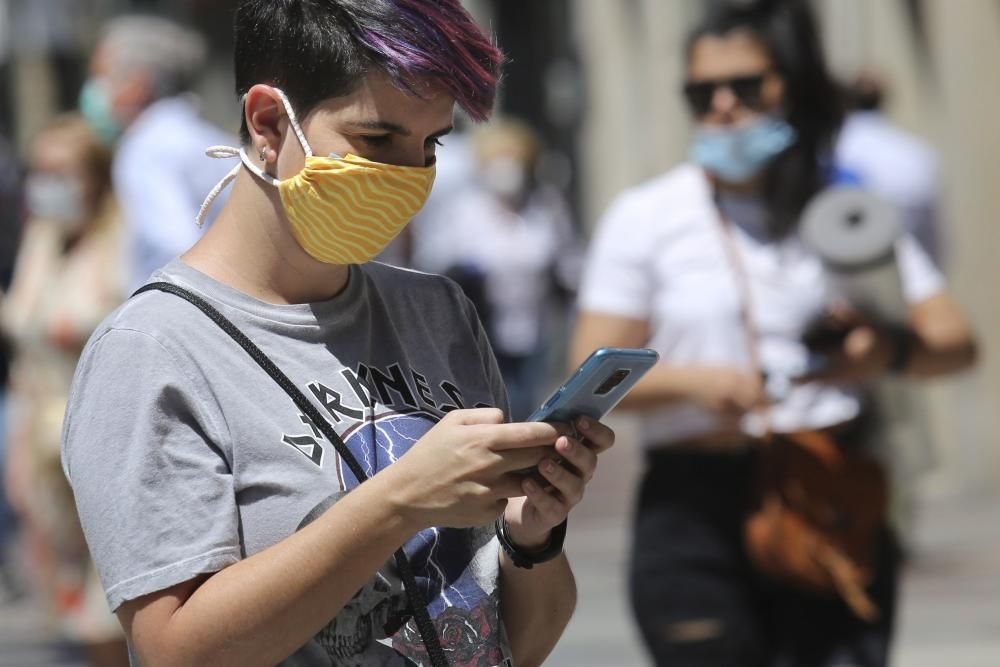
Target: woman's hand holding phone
[[559, 484], [462, 472], [556, 485]]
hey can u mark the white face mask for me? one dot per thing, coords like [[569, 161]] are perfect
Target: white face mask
[[56, 198], [505, 177]]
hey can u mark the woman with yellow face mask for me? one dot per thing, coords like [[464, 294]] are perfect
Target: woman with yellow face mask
[[341, 490]]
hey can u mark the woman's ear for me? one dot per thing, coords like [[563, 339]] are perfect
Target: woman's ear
[[263, 110], [773, 93]]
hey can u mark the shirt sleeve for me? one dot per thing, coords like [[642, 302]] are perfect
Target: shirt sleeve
[[616, 276], [153, 488], [921, 278]]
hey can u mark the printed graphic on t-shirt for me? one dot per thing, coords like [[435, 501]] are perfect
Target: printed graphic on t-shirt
[[373, 390], [455, 569]]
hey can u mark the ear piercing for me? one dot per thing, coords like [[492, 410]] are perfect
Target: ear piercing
[[263, 154]]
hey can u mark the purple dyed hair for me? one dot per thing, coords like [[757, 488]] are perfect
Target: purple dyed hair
[[318, 49], [446, 45]]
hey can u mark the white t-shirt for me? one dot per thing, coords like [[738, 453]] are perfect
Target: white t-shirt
[[659, 254], [520, 254]]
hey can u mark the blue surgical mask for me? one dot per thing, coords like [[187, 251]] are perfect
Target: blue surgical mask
[[95, 105], [737, 154]]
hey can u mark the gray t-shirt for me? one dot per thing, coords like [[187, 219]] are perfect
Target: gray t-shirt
[[185, 456]]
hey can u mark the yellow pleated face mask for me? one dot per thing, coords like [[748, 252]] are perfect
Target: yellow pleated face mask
[[342, 210]]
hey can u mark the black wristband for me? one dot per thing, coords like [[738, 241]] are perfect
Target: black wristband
[[529, 559], [903, 343]]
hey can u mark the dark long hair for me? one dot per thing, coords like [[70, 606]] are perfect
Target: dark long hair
[[812, 104]]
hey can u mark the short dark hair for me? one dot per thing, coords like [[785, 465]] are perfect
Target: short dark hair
[[814, 104], [317, 49]]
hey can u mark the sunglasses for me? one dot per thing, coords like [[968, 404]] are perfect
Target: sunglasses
[[747, 89]]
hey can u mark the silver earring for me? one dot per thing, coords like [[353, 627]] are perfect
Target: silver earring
[[263, 153]]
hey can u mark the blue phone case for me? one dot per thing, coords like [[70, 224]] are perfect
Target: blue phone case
[[598, 384]]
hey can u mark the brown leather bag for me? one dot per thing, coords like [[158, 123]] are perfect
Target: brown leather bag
[[819, 507], [819, 504]]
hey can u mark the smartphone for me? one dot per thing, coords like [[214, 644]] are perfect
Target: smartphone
[[598, 385]]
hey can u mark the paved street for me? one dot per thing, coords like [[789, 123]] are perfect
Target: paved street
[[950, 614]]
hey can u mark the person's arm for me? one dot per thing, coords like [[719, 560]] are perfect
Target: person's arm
[[616, 298], [147, 456], [720, 389], [263, 608], [936, 341], [943, 339], [537, 604]]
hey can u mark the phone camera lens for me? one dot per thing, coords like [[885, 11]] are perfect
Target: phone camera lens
[[613, 381]]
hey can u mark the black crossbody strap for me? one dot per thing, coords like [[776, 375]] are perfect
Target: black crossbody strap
[[418, 605]]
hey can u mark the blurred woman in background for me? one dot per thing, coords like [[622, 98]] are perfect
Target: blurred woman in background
[[67, 277], [516, 254], [704, 264]]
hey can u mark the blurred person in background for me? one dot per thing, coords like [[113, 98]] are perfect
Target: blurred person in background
[[427, 236], [704, 264], [138, 94], [516, 255], [893, 163], [904, 170], [68, 276], [10, 230]]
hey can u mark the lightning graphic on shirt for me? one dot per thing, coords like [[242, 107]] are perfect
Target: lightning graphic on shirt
[[393, 441], [370, 465], [434, 535], [443, 559], [389, 437]]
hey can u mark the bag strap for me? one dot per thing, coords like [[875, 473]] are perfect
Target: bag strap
[[742, 279], [418, 605], [838, 565]]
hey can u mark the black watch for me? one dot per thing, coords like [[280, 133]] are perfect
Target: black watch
[[529, 559], [903, 344]]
